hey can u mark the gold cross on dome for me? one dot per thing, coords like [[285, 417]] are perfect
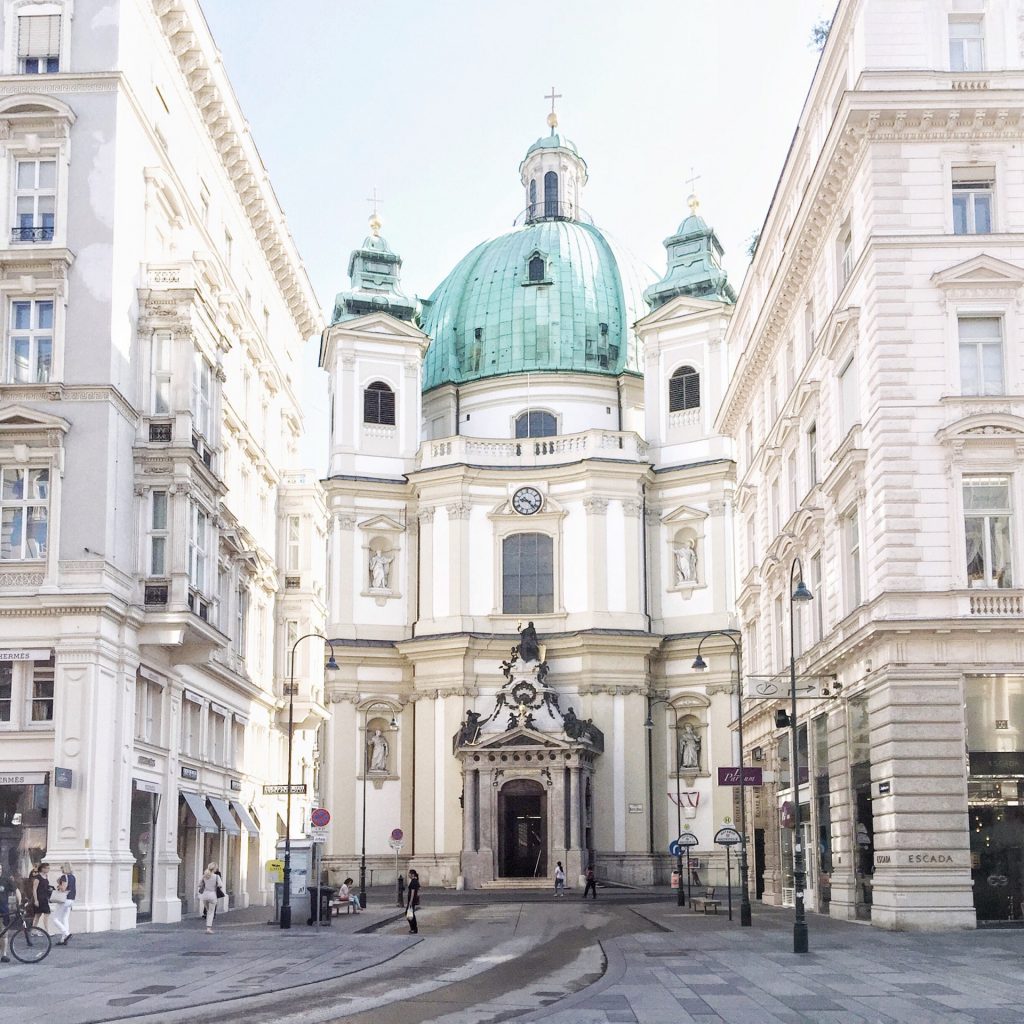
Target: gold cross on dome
[[375, 200], [693, 178], [553, 96]]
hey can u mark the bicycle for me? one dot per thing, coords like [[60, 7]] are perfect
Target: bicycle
[[28, 944]]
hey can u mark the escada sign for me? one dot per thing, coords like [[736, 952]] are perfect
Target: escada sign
[[914, 858]]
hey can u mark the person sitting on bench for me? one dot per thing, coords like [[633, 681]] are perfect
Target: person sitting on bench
[[349, 898]]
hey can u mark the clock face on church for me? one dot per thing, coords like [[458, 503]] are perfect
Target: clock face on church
[[527, 500]]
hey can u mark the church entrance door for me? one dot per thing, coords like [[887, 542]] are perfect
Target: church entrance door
[[522, 816]]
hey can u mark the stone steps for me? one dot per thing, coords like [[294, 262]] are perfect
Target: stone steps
[[518, 883]]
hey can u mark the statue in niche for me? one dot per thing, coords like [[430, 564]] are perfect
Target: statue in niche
[[689, 748], [529, 646], [378, 751], [686, 563], [380, 569]]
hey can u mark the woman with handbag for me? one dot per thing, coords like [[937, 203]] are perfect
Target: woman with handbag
[[412, 901], [63, 901], [41, 890], [211, 889]]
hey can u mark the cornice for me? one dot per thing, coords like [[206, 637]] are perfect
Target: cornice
[[192, 46]]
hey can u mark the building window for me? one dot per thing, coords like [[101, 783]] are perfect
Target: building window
[[31, 341], [844, 254], [24, 513], [198, 549], [158, 533], [849, 399], [204, 204], [229, 246], [35, 199], [809, 329], [533, 197], [794, 483], [851, 540], [190, 727], [812, 453], [775, 510], [752, 541], [773, 400], [6, 690], [528, 581], [684, 389], [294, 532], [536, 269], [966, 44], [780, 636], [161, 373], [551, 194], [981, 355], [972, 200], [39, 44], [817, 611], [216, 737], [241, 620], [379, 404], [42, 691], [148, 700], [987, 531], [536, 423], [202, 394]]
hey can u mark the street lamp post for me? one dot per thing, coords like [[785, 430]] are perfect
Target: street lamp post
[[392, 727], [698, 664], [798, 593], [649, 725], [286, 899]]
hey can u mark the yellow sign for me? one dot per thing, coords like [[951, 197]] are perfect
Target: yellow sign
[[275, 868]]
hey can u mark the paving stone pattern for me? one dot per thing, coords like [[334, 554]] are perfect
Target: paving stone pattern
[[700, 969]]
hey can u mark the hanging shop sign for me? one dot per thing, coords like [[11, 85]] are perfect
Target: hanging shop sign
[[189, 773], [63, 778]]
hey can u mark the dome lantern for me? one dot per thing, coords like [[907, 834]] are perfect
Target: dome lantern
[[553, 174]]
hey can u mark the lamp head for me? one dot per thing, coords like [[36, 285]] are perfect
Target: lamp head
[[393, 724], [699, 664], [648, 722], [332, 665], [802, 593]]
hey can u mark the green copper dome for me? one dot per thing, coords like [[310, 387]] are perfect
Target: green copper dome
[[551, 296]]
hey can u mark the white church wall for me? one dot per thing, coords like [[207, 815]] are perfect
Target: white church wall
[[576, 571]]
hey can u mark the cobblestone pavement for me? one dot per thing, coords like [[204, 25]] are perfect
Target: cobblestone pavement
[[707, 969], [153, 969]]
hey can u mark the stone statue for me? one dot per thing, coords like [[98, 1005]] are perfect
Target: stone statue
[[689, 748], [686, 563], [470, 728], [380, 569], [529, 647], [378, 752]]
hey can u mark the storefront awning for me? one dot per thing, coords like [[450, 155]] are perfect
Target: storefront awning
[[227, 819], [197, 805], [245, 817]]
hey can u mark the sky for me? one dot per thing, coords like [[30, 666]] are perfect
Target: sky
[[433, 103]]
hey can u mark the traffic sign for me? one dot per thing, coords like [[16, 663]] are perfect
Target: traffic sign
[[319, 835], [320, 817], [727, 837], [675, 849], [397, 834], [688, 839], [395, 844]]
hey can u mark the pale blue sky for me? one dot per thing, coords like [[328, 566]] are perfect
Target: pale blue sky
[[435, 102]]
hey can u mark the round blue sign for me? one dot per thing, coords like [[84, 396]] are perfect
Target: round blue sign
[[675, 849]]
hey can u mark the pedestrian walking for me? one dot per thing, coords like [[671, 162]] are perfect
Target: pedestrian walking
[[559, 879], [63, 901], [412, 901], [211, 889], [9, 898], [41, 890], [591, 885]]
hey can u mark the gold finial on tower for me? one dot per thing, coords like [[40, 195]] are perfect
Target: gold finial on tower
[[553, 117], [691, 200], [375, 222]]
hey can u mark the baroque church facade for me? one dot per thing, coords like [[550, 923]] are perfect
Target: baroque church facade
[[529, 530]]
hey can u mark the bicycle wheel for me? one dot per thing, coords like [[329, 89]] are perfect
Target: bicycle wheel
[[29, 945]]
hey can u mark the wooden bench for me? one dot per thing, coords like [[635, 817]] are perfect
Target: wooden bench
[[705, 902]]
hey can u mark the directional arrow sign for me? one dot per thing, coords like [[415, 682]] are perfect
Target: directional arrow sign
[[675, 849]]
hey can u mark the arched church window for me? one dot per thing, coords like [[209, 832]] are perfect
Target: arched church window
[[537, 269], [536, 423], [551, 194], [533, 197], [527, 574], [379, 404], [684, 389]]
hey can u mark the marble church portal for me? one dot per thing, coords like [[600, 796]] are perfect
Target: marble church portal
[[526, 462]]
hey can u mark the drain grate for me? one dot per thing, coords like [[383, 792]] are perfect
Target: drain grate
[[666, 952], [153, 990], [203, 952]]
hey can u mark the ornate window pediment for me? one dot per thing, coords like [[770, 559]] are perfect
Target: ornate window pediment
[[984, 432], [982, 276], [842, 325]]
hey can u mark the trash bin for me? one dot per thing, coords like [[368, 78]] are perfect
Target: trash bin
[[327, 893]]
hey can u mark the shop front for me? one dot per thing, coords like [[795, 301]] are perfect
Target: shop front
[[24, 810], [995, 794], [142, 842]]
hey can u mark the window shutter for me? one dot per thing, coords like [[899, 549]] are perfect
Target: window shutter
[[39, 35]]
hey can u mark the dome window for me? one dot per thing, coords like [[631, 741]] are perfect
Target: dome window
[[536, 423], [533, 198], [379, 404], [527, 574], [536, 269], [684, 389], [551, 194]]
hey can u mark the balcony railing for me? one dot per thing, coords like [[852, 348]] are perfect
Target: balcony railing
[[35, 233], [552, 211], [533, 451]]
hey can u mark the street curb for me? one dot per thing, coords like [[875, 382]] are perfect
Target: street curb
[[614, 972], [374, 926]]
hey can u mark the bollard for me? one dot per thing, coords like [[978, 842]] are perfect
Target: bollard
[[401, 890]]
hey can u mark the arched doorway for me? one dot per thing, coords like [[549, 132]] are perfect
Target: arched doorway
[[523, 828]]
